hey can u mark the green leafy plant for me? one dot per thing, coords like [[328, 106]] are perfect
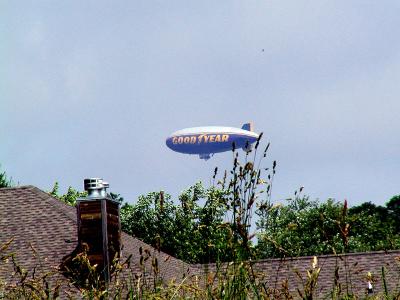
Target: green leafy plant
[[5, 181], [69, 197], [191, 229]]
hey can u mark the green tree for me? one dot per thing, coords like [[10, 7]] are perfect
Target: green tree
[[149, 218], [201, 214], [302, 227], [69, 197], [72, 195], [192, 229], [4, 180], [373, 228], [305, 227], [393, 207]]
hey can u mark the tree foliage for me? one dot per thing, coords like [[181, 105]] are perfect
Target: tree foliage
[[393, 206], [302, 227], [374, 228], [5, 181], [305, 227], [69, 197], [191, 229]]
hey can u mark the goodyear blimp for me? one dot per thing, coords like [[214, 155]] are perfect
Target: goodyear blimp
[[206, 141]]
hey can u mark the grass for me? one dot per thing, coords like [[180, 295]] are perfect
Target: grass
[[233, 280]]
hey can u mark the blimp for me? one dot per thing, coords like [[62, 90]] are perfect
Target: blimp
[[208, 140]]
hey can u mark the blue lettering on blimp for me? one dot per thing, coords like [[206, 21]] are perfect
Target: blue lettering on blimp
[[201, 139]]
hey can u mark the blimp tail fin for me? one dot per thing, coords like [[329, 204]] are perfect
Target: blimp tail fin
[[248, 126]]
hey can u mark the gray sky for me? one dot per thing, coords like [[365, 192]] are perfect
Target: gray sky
[[93, 88]]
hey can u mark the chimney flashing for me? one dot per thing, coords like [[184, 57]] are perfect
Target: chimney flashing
[[96, 199]]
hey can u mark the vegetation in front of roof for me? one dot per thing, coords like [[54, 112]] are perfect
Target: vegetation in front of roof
[[233, 280], [191, 230], [25, 284]]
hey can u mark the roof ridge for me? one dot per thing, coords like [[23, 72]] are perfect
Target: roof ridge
[[321, 256], [20, 187]]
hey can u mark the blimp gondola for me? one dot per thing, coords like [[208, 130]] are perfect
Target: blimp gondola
[[208, 140]]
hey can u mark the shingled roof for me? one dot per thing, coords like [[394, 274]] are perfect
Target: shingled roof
[[349, 271], [43, 231]]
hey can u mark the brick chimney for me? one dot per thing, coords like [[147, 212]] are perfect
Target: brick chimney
[[99, 228]]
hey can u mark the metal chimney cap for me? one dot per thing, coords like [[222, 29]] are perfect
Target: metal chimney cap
[[95, 187], [94, 183]]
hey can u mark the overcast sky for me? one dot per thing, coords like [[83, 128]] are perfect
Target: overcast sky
[[93, 88]]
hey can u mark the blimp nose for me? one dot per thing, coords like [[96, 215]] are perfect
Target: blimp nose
[[169, 143]]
